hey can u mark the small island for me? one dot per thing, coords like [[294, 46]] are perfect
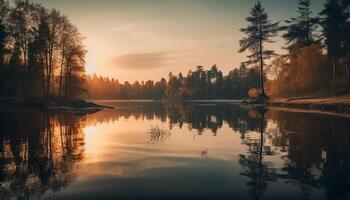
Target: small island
[[51, 104]]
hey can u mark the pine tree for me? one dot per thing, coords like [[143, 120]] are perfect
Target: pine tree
[[334, 22], [346, 5], [259, 31], [300, 30], [4, 7]]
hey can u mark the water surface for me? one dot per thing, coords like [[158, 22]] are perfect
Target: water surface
[[203, 150]]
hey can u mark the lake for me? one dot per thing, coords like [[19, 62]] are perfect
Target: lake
[[147, 150]]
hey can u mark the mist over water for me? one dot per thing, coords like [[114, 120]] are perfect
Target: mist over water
[[160, 151]]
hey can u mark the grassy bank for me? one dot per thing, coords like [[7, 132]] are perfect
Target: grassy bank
[[324, 103]]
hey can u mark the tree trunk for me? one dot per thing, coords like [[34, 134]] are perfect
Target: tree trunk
[[47, 86], [261, 70], [42, 74], [53, 85], [261, 136], [334, 71], [61, 72], [66, 81], [48, 76], [347, 70]]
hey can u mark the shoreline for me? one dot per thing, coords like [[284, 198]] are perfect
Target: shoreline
[[332, 104], [336, 104], [51, 104]]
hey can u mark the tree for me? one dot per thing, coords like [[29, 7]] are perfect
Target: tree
[[300, 30], [4, 7], [346, 5], [259, 31], [334, 22], [37, 42], [40, 48], [22, 23], [14, 72], [66, 29], [74, 69]]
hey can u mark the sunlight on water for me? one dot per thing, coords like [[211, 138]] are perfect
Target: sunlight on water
[[165, 151], [124, 142]]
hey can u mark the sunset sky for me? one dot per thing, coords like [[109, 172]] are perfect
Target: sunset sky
[[146, 39]]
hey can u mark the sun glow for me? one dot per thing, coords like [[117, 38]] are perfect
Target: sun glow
[[94, 143], [90, 65]]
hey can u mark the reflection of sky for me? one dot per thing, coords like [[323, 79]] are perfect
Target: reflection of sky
[[163, 35], [118, 156], [120, 162], [123, 142]]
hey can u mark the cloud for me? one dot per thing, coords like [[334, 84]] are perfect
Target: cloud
[[141, 61]]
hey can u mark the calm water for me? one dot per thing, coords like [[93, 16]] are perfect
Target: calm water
[[200, 151]]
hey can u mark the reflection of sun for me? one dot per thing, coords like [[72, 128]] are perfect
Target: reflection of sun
[[93, 143]]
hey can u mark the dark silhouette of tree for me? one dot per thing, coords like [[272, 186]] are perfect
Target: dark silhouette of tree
[[346, 4], [42, 55], [300, 29], [45, 55], [22, 24], [200, 84], [306, 69], [334, 20], [259, 31], [4, 7]]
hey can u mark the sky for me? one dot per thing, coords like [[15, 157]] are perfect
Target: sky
[[146, 39]]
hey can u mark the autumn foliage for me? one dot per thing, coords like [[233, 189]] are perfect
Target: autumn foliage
[[301, 72]]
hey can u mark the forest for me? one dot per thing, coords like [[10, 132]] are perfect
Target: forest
[[318, 52], [197, 84], [41, 52], [317, 61]]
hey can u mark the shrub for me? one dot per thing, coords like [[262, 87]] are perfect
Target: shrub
[[253, 92]]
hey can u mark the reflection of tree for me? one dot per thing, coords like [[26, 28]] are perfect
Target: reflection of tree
[[259, 171], [318, 153], [38, 152], [335, 170], [314, 149], [301, 177], [194, 116]]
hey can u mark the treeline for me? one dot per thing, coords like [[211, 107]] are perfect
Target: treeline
[[41, 52], [197, 84], [318, 49]]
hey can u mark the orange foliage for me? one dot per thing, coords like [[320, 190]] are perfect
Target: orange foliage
[[253, 92], [303, 71]]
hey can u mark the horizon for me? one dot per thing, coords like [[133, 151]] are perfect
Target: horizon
[[132, 40]]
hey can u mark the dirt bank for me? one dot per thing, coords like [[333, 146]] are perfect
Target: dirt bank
[[333, 103]]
